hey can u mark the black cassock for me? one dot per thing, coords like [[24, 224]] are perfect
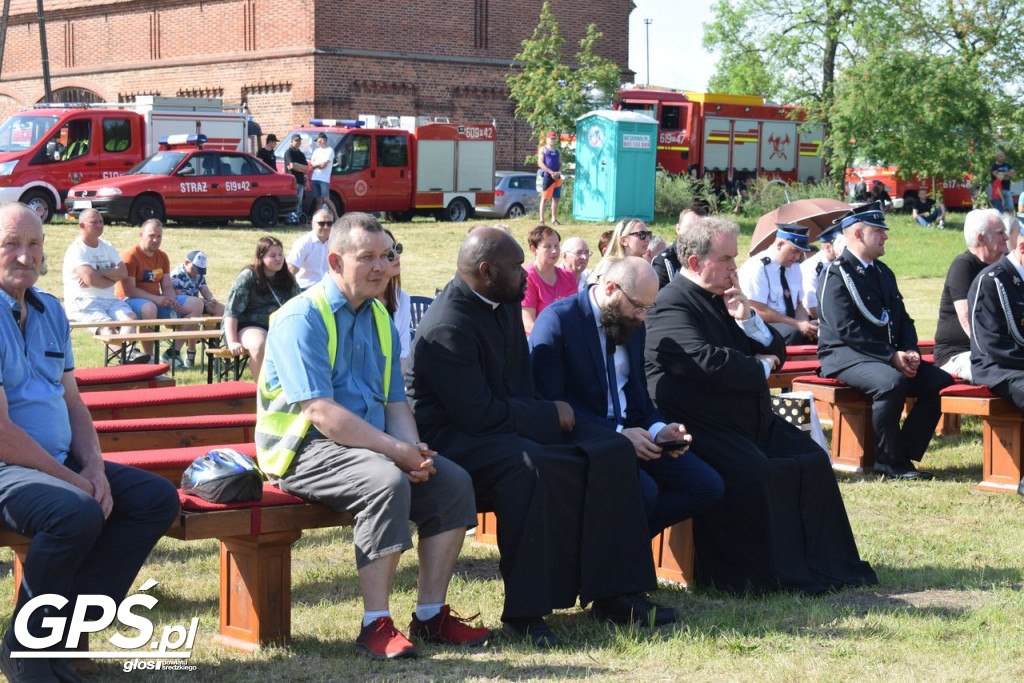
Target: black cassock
[[571, 521], [782, 523]]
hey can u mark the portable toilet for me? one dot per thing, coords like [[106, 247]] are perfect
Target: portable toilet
[[616, 161]]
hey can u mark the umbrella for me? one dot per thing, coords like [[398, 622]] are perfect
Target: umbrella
[[816, 214]]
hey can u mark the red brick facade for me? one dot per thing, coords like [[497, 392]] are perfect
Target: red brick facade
[[290, 60]]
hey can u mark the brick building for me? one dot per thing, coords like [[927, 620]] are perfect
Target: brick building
[[290, 60]]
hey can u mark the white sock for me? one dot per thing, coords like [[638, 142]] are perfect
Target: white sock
[[370, 617], [428, 612]]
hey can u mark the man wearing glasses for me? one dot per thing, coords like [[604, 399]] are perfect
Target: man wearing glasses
[[307, 259], [575, 257], [582, 346]]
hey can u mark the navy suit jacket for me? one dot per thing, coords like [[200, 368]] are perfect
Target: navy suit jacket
[[568, 364]]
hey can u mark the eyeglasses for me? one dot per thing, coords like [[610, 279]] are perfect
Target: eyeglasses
[[394, 252], [637, 307], [642, 235], [325, 224], [582, 253]]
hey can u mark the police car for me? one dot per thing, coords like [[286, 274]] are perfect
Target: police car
[[184, 181]]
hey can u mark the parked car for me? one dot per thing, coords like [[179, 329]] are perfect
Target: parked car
[[191, 184], [515, 195]]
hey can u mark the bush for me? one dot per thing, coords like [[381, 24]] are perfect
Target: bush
[[765, 195], [673, 193]]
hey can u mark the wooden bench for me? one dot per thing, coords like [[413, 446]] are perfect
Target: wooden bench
[[121, 377], [202, 399], [782, 378], [123, 340], [209, 321], [174, 432], [222, 366], [672, 549], [853, 436], [1002, 434], [802, 352]]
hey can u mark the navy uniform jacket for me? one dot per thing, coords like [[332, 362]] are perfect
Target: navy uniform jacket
[[666, 264], [997, 333], [845, 336], [568, 364]]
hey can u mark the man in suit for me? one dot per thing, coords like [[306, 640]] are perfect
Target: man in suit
[[868, 341], [582, 346], [781, 524], [996, 314], [571, 519]]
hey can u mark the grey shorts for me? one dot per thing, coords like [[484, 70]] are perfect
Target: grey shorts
[[97, 310], [381, 497]]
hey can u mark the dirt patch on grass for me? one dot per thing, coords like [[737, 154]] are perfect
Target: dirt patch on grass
[[934, 599]]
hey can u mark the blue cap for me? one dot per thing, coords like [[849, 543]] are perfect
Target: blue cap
[[870, 214], [830, 233], [794, 234]]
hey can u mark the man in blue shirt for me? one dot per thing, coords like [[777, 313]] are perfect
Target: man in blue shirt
[[92, 523], [362, 451]]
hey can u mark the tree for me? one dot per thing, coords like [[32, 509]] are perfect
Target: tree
[[550, 94]]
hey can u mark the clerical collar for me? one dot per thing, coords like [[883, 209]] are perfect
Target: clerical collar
[[483, 298]]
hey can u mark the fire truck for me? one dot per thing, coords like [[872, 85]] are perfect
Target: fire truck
[[404, 166], [956, 194], [46, 150], [737, 135]]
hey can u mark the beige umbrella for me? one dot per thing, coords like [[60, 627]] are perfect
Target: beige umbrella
[[816, 214]]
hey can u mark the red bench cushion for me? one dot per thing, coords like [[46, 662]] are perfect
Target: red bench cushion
[[814, 379], [185, 422], [802, 350], [271, 496], [799, 366], [172, 458], [119, 373], [196, 393], [968, 391]]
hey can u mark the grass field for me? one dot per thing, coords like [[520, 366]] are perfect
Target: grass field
[[949, 605]]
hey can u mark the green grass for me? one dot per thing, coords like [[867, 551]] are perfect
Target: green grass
[[949, 605]]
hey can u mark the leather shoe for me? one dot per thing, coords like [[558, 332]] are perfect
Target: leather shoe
[[24, 670], [535, 629], [902, 472], [636, 609]]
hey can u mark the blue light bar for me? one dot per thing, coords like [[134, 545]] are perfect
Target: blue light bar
[[337, 123]]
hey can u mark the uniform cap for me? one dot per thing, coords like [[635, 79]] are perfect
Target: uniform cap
[[794, 234], [870, 214]]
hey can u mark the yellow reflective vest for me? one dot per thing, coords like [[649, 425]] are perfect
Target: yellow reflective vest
[[281, 426]]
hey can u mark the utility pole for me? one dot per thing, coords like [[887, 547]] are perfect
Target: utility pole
[[45, 53], [3, 31], [647, 27]]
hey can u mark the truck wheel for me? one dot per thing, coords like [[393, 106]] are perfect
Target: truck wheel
[[458, 211], [40, 202], [264, 213], [515, 211], [145, 208], [339, 206], [399, 216]]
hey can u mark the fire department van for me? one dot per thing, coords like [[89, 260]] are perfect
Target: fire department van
[[46, 150], [709, 132], [404, 166], [956, 194]]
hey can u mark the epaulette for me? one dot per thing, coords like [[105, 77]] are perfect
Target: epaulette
[[818, 268], [766, 260]]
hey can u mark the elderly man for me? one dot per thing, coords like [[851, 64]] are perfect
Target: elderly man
[[986, 240], [92, 267], [869, 342], [781, 524], [307, 259], [589, 351], [832, 244], [92, 523], [666, 264], [772, 280], [575, 257], [337, 429], [571, 519], [149, 291]]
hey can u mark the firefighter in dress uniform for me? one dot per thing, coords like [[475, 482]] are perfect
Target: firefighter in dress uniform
[[832, 244]]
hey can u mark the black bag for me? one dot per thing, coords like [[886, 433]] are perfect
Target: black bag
[[223, 476]]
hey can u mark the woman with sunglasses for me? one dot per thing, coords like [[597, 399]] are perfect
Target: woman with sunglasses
[[258, 291], [629, 238], [546, 283], [396, 300]]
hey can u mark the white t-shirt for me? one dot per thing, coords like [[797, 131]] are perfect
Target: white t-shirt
[[309, 255], [319, 154], [100, 257], [403, 322]]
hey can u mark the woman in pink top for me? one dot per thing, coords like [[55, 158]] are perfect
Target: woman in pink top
[[546, 283]]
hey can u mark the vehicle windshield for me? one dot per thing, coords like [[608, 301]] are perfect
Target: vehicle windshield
[[20, 133], [308, 143], [161, 163]]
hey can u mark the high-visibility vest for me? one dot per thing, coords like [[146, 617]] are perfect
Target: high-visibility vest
[[281, 426]]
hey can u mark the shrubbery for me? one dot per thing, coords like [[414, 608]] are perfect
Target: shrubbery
[[673, 193]]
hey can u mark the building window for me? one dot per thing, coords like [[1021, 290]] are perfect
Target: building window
[[74, 95], [481, 12]]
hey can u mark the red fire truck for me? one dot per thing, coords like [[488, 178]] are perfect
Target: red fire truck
[[956, 194], [404, 166], [700, 133], [46, 150]]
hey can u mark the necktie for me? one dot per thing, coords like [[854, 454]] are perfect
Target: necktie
[[790, 308], [613, 381]]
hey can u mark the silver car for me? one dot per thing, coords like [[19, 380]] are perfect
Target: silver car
[[515, 195]]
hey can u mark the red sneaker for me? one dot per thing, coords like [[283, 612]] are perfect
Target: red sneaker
[[449, 628], [381, 640]]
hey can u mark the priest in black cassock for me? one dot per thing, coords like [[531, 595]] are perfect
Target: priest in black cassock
[[782, 524], [571, 519]]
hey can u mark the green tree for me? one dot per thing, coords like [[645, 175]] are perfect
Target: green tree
[[550, 94]]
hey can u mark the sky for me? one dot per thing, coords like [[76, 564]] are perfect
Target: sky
[[677, 58]]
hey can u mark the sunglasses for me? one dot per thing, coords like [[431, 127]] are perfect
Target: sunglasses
[[642, 235], [394, 252], [325, 224]]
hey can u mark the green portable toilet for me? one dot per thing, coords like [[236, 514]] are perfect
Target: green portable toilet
[[616, 160]]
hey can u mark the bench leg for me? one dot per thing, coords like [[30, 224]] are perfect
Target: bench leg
[[674, 553], [486, 528], [853, 437], [949, 425], [20, 553], [1002, 440], [255, 590]]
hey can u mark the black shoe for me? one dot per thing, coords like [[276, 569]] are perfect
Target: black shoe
[[23, 670], [536, 629], [905, 472], [62, 670], [636, 609]]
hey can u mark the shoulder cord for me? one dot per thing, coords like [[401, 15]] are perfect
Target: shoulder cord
[[670, 269], [1004, 301], [859, 303]]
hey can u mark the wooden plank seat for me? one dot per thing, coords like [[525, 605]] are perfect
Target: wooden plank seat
[[853, 437], [672, 549], [221, 366], [1002, 433], [119, 377], [208, 321], [174, 432], [199, 399], [116, 346], [171, 463], [783, 376]]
